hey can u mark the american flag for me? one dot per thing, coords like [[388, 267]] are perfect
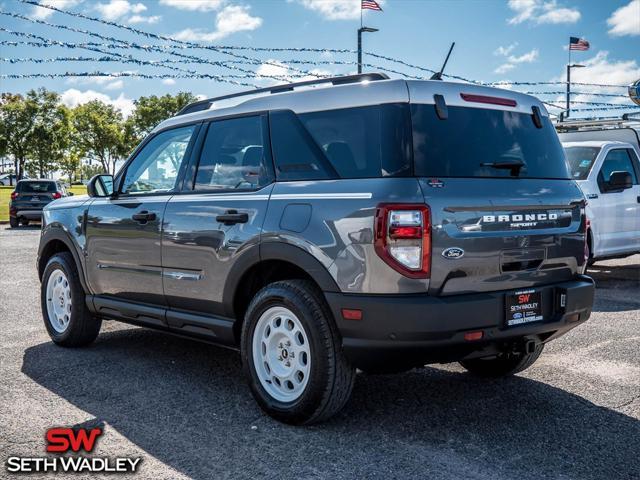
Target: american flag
[[576, 43], [370, 5]]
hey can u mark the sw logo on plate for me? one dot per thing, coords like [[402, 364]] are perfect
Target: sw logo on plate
[[453, 253]]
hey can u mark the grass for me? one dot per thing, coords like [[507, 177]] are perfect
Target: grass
[[5, 197]]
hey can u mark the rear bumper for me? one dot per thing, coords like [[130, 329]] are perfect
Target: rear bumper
[[420, 329], [31, 214]]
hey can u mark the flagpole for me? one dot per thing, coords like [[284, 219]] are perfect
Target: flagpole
[[568, 103]]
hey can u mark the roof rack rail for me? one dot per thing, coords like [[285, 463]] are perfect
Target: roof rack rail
[[594, 123], [287, 87]]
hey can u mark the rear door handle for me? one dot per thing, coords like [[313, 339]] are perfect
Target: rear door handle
[[231, 217], [144, 216]]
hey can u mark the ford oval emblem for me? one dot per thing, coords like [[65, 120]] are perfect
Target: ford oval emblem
[[453, 253]]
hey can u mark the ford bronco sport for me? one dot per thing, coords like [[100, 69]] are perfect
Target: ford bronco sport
[[374, 224]]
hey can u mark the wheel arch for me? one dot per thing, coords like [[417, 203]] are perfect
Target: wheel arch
[[55, 240], [276, 261]]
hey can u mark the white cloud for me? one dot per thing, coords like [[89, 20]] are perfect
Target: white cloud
[[541, 11], [194, 5], [117, 9], [625, 20], [168, 81], [335, 9], [528, 57], [140, 19], [116, 85], [44, 13], [231, 19], [504, 68], [504, 51], [513, 60], [601, 70], [74, 97]]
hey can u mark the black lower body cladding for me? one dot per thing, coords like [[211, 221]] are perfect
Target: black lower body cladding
[[413, 330]]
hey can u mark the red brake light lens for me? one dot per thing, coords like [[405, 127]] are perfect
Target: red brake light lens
[[403, 238], [507, 102], [14, 195], [56, 195]]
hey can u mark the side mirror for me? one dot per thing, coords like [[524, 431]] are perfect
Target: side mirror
[[619, 181], [100, 186]]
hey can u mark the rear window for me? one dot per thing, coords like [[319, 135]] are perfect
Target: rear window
[[36, 187], [475, 142], [360, 142], [580, 160]]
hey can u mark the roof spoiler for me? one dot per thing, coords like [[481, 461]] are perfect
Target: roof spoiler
[[287, 87]]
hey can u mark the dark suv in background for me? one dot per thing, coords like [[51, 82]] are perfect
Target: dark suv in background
[[30, 197], [374, 224]]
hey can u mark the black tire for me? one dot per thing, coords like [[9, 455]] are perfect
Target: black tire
[[502, 365], [331, 377], [83, 327], [24, 222], [14, 222]]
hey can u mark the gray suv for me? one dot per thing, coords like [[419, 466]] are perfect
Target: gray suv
[[327, 226]]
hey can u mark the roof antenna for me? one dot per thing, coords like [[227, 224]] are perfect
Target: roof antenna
[[438, 75]]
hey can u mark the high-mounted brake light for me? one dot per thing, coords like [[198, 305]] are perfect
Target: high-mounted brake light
[[56, 195], [14, 195], [507, 102], [403, 238]]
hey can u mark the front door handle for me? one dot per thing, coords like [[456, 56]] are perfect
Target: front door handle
[[231, 217], [143, 216]]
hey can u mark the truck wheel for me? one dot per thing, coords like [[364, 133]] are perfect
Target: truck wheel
[[292, 356], [13, 222], [66, 316], [502, 365]]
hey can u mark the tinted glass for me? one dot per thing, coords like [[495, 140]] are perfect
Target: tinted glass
[[580, 160], [155, 168], [297, 156], [36, 187], [617, 161], [471, 139], [235, 155], [361, 142]]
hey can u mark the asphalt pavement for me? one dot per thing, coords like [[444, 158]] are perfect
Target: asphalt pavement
[[185, 409]]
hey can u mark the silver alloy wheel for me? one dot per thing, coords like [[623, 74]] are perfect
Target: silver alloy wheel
[[58, 300], [281, 354]]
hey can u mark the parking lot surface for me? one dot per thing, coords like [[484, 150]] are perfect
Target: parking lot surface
[[184, 407]]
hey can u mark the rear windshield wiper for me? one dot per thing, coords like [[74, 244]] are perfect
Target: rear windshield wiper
[[513, 165]]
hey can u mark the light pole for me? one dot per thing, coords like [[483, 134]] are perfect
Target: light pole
[[569, 67], [360, 30]]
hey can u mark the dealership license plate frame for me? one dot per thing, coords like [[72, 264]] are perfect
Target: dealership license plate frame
[[523, 307]]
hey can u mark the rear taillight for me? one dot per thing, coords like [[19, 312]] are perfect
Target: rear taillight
[[14, 195], [56, 195], [403, 238]]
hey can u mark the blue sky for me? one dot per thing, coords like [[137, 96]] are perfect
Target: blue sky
[[517, 40]]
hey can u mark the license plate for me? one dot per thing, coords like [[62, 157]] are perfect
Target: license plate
[[523, 307], [35, 199]]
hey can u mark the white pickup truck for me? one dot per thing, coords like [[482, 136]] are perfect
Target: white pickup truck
[[608, 172]]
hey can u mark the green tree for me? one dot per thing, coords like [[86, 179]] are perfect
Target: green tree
[[50, 134], [17, 120], [100, 133]]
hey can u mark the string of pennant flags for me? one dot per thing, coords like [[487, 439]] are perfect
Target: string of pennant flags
[[177, 52]]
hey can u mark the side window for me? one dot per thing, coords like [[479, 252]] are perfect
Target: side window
[[235, 155], [364, 142], [155, 168], [617, 160], [297, 156]]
